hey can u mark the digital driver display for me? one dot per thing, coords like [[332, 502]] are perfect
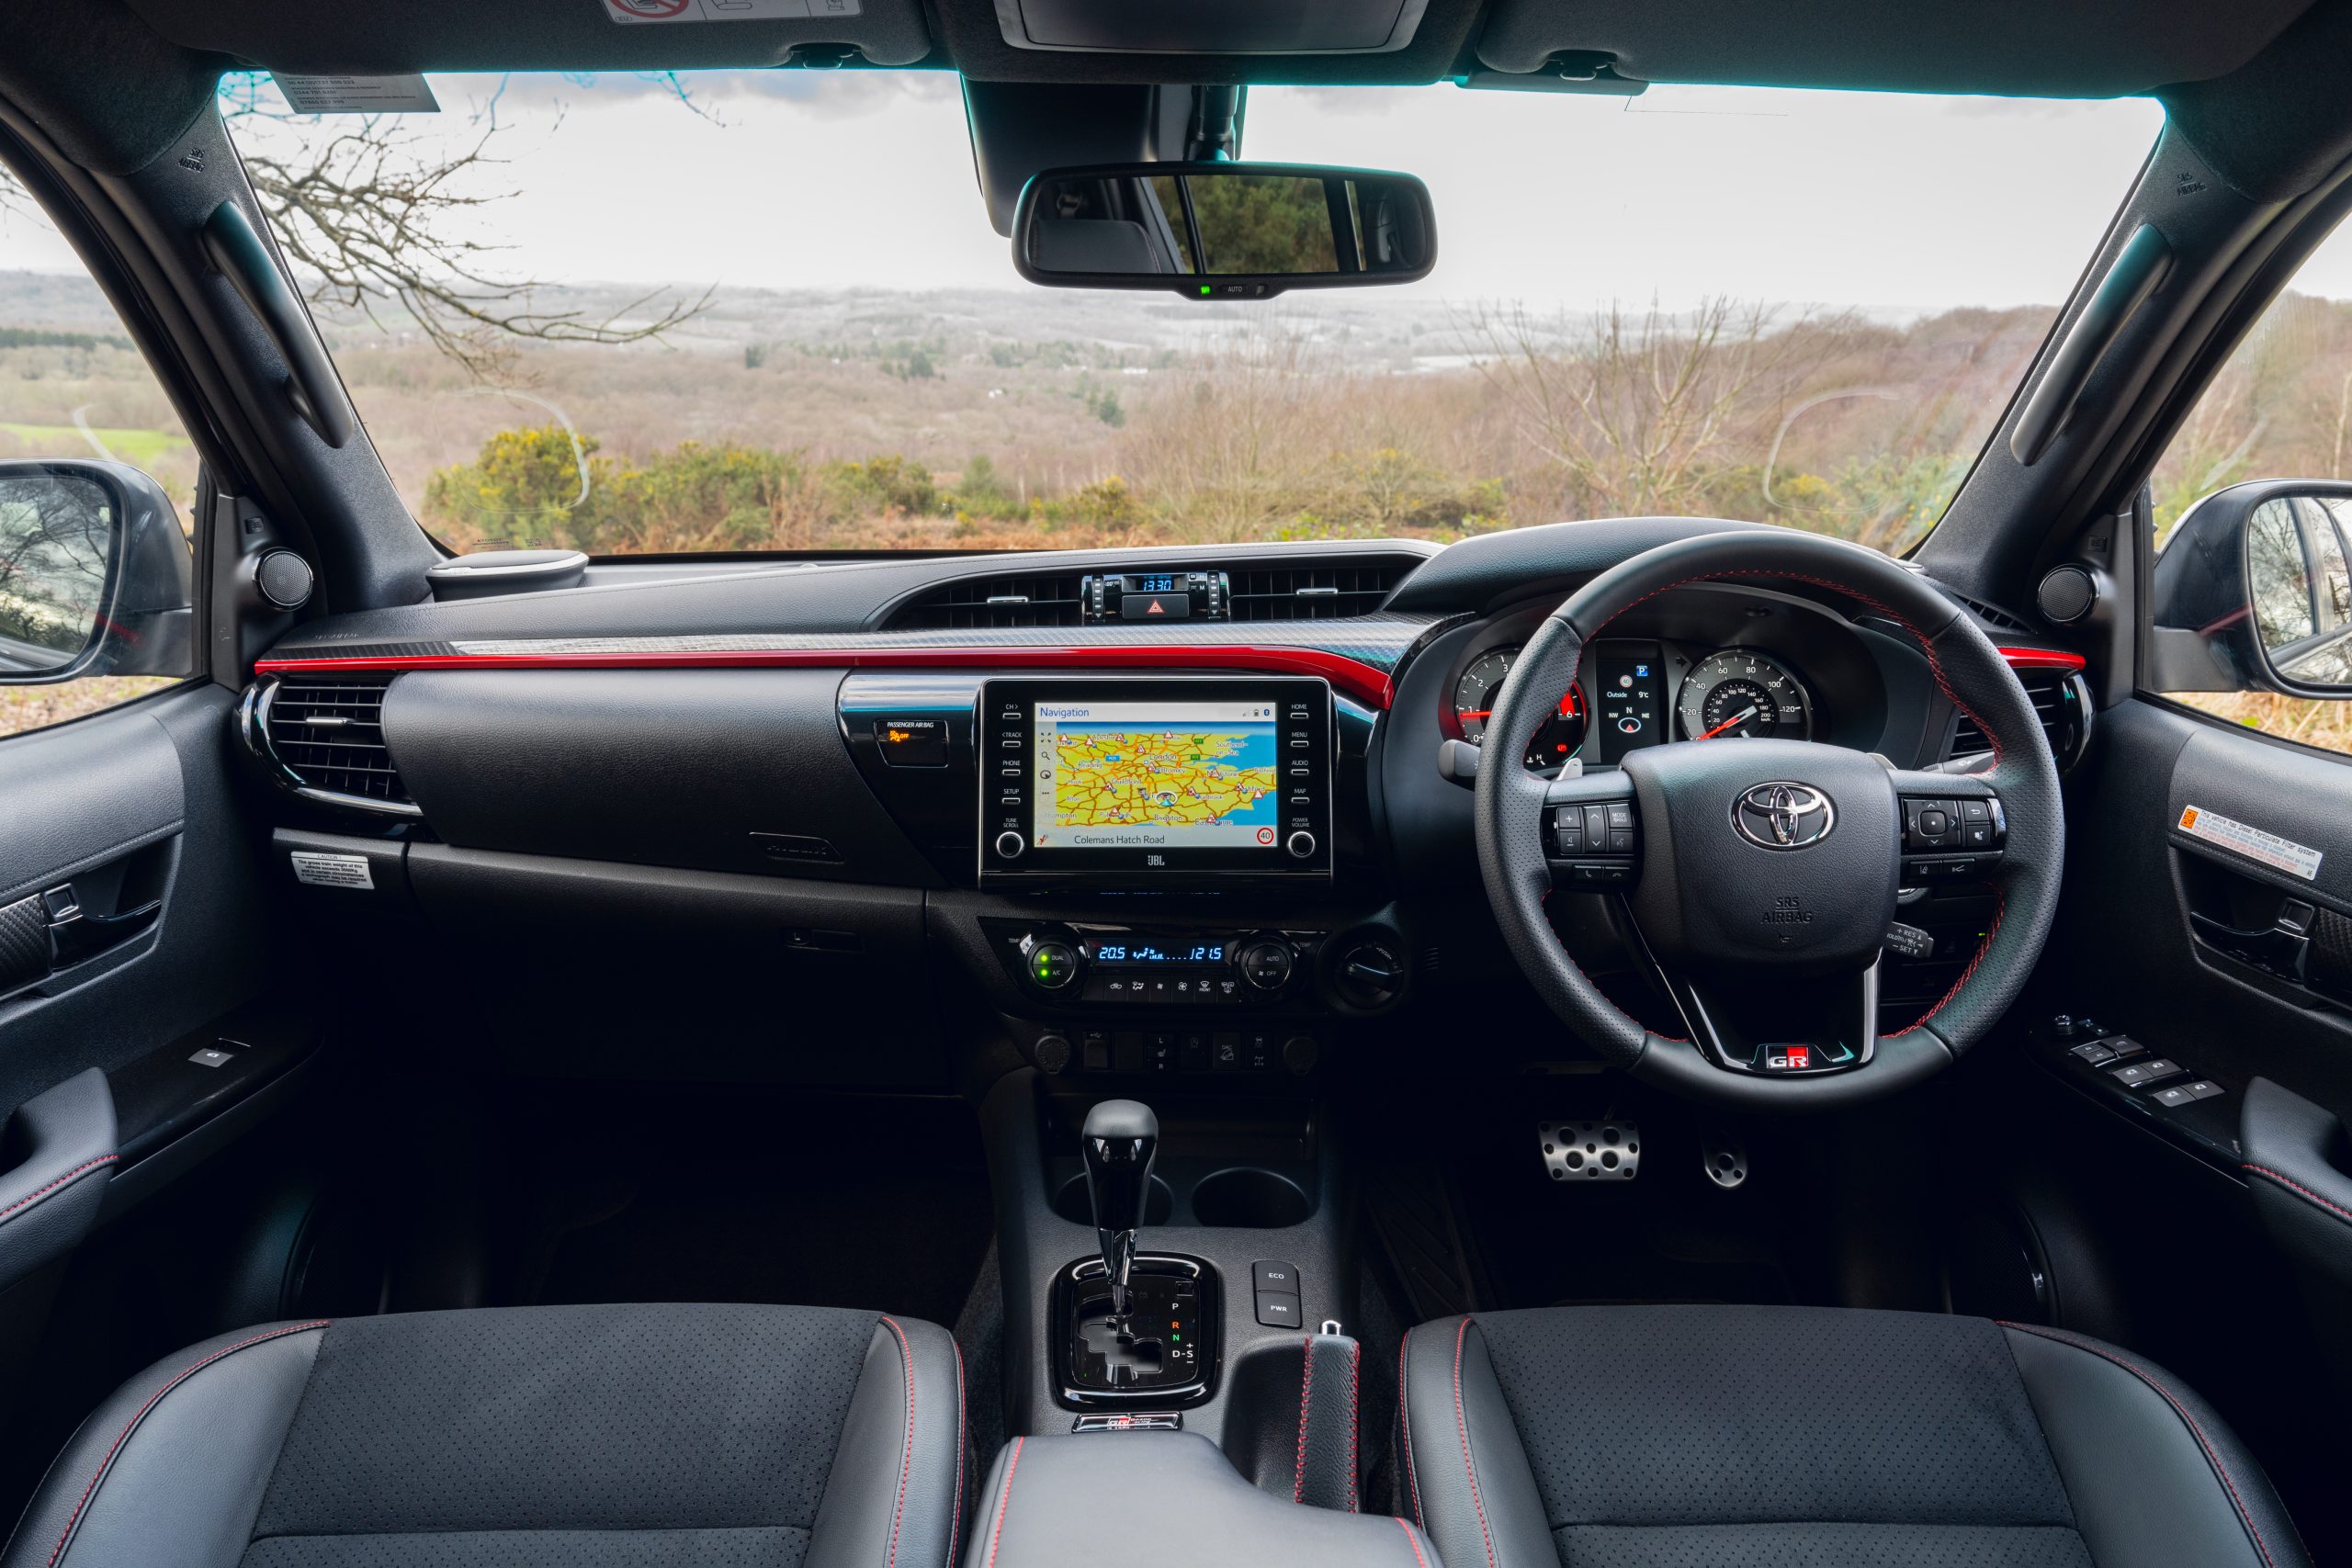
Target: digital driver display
[[1156, 776]]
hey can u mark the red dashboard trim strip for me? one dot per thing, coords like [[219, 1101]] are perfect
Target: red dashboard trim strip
[[2040, 659], [1365, 682]]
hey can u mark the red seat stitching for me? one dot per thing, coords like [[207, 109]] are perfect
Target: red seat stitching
[[907, 1458], [1004, 1500], [1305, 1396], [2212, 1459], [956, 1519], [2293, 1185], [1415, 1544], [1463, 1423], [140, 1414], [39, 1193], [1405, 1430], [1356, 1418]]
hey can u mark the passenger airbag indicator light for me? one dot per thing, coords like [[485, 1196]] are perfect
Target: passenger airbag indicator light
[[912, 742]]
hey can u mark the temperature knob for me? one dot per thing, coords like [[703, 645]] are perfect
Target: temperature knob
[[1050, 964], [1266, 963]]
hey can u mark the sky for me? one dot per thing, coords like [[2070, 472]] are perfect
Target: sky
[[829, 181]]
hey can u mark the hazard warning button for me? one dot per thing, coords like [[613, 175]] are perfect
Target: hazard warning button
[[1154, 606]]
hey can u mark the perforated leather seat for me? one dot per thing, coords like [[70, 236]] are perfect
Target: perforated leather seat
[[590, 1437], [1691, 1437]]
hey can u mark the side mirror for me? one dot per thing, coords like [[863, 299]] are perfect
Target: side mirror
[[1223, 231], [95, 575]]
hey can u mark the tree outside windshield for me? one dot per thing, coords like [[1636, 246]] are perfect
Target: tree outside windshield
[[783, 321]]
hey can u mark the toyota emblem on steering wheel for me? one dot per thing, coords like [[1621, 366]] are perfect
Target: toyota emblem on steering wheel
[[1783, 816]]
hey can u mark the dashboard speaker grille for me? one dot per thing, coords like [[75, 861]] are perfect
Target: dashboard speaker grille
[[1043, 601], [329, 732], [2056, 703]]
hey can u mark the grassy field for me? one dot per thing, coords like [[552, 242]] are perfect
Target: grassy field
[[156, 451], [36, 707]]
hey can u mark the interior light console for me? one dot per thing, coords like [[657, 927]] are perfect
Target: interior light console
[[1158, 781]]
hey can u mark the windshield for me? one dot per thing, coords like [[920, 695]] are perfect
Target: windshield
[[767, 312]]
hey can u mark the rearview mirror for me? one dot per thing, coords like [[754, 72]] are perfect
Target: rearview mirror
[[95, 575], [1223, 231], [2254, 592]]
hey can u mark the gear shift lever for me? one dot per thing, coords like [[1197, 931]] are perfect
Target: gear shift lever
[[1119, 1140]]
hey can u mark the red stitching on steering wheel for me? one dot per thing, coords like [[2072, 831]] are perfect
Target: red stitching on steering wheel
[[1935, 669]]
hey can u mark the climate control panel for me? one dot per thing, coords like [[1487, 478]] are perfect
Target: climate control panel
[[1123, 966]]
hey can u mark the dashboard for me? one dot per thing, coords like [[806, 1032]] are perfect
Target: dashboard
[[1170, 811]]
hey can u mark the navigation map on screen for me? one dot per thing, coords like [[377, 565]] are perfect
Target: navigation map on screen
[[1113, 776]]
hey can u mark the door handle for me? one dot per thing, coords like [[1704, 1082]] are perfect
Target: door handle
[[74, 933]]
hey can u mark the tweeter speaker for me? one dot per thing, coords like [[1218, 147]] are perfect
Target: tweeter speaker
[[2067, 594], [283, 579]]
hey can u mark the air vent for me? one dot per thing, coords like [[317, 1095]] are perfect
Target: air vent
[[1308, 593], [1050, 600], [328, 732], [1998, 618], [2057, 702]]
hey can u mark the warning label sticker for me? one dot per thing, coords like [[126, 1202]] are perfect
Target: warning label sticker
[[357, 95], [728, 10], [2269, 849], [332, 871]]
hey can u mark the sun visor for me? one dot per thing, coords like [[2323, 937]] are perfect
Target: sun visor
[[2016, 48], [1211, 26], [310, 38]]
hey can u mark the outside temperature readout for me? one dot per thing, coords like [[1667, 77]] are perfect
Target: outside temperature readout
[[1151, 953]]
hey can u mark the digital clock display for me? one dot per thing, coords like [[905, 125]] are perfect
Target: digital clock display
[[1161, 584], [1148, 954]]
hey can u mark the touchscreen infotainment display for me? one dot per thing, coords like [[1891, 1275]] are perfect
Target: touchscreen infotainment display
[[1158, 775], [1148, 779]]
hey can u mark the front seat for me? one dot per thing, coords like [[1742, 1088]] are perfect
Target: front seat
[[1701, 1437], [584, 1437]]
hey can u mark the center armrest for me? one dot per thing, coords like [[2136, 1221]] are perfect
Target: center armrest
[[1163, 1500]]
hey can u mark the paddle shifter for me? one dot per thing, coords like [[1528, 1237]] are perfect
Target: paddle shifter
[[1118, 1140]]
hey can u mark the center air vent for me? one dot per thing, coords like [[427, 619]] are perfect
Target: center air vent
[[328, 732], [1048, 601], [2057, 702], [1311, 592]]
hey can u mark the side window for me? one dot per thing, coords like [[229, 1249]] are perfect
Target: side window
[[2253, 602], [97, 492]]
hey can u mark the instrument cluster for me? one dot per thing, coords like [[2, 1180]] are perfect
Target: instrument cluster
[[1720, 667]]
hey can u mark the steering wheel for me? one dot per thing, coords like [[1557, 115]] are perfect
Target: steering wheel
[[1761, 876]]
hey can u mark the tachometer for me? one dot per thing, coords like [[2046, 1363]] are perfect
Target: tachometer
[[1481, 687], [1739, 693]]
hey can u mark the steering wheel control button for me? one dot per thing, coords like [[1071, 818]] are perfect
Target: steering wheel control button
[[1910, 941], [1590, 1151]]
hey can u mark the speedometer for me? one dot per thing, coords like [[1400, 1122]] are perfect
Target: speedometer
[[1480, 688], [1740, 692]]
